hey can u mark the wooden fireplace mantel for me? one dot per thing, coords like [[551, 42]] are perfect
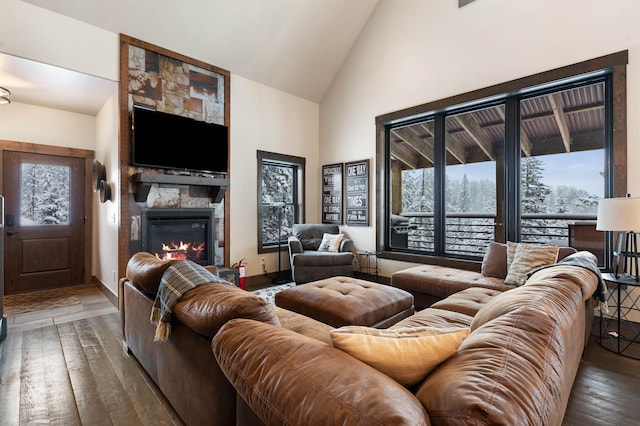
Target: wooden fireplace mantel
[[142, 184]]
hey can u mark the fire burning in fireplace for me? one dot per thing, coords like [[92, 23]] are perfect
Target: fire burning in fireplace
[[179, 234], [183, 251]]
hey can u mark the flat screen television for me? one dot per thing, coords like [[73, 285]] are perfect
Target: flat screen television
[[169, 141]]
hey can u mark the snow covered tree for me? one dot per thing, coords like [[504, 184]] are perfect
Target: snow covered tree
[[533, 191]]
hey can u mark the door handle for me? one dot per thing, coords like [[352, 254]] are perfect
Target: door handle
[[10, 233]]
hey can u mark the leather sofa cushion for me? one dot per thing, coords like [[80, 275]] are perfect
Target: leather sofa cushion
[[144, 270], [441, 281], [468, 301], [287, 378], [432, 317], [304, 325], [509, 371], [322, 258], [208, 307], [556, 298]]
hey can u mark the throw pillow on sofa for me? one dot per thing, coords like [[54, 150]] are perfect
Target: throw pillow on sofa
[[331, 242], [494, 262], [525, 258], [406, 355]]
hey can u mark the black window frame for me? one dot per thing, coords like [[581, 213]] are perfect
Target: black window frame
[[609, 68], [299, 164]]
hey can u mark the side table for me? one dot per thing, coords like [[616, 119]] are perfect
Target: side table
[[368, 264], [230, 274], [619, 332]]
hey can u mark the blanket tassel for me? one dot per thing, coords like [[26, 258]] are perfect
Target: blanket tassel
[[604, 307], [155, 315], [162, 332]]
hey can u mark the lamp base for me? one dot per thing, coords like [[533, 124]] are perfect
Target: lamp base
[[627, 257]]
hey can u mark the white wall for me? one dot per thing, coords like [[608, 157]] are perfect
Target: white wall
[[106, 216], [414, 51], [34, 33], [266, 119], [35, 124]]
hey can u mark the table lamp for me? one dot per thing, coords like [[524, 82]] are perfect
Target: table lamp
[[622, 215]]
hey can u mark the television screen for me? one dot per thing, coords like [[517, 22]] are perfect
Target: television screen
[[170, 141]]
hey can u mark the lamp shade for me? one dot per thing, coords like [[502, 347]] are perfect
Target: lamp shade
[[619, 214]]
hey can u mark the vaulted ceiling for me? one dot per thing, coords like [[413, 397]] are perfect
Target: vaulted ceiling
[[296, 46]]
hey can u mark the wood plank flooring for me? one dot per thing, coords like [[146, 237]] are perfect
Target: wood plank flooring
[[71, 368]]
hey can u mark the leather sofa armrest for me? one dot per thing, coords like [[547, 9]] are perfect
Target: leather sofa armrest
[[271, 368], [208, 307], [295, 246], [346, 244]]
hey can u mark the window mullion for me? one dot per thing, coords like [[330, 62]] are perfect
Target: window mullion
[[511, 194], [439, 219]]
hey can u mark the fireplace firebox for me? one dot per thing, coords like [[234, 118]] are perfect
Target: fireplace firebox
[[185, 234]]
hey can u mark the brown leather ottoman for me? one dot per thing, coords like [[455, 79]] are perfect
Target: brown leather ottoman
[[340, 301]]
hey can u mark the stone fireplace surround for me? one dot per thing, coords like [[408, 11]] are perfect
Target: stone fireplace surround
[[172, 82]]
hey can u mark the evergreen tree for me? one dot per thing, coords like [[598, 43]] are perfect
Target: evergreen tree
[[277, 189], [533, 191], [465, 198]]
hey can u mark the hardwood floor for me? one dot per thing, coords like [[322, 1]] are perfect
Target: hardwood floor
[[70, 368]]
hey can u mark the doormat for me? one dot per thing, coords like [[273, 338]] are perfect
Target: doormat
[[269, 293], [22, 303]]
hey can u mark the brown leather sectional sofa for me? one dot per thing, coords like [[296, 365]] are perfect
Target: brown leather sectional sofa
[[272, 366], [431, 283]]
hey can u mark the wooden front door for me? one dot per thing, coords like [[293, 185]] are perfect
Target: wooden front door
[[44, 231]]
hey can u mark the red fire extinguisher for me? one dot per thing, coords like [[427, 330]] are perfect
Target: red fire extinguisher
[[241, 273]]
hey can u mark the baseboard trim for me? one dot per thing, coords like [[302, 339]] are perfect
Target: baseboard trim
[[105, 290]]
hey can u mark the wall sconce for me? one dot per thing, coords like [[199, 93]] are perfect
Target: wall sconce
[[4, 96], [99, 181], [105, 191]]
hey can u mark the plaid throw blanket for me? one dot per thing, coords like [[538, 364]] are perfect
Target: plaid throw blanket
[[176, 281], [585, 260]]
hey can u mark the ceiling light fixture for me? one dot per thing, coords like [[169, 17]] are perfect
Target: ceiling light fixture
[[4, 96]]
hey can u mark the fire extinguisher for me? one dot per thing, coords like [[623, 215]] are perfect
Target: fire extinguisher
[[241, 273]]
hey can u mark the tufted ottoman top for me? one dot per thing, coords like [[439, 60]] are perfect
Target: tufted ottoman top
[[340, 301]]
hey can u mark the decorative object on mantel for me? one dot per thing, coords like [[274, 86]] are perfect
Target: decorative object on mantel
[[4, 96], [622, 215]]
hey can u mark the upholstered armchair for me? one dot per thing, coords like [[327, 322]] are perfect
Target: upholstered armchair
[[314, 257]]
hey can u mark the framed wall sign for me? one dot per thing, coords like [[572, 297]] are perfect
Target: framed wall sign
[[332, 193], [357, 193]]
